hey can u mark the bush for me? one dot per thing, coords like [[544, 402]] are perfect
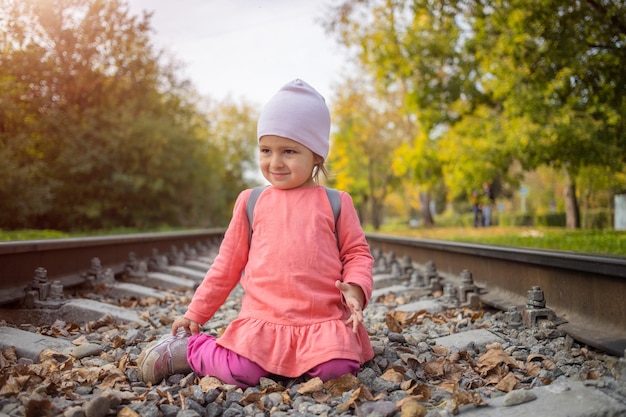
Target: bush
[[550, 220], [598, 219], [516, 219]]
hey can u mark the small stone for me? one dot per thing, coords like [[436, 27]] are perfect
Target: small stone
[[97, 407], [74, 412], [86, 350], [517, 397]]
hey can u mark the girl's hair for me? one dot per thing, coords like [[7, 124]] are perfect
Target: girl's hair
[[319, 167]]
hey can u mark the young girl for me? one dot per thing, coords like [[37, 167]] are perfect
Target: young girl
[[305, 288]]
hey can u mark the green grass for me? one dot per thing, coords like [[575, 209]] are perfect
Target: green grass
[[604, 242]]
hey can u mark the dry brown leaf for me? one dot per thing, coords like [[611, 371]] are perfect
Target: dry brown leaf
[[107, 320], [118, 342], [420, 391], [321, 396], [286, 397], [477, 316], [406, 385], [14, 384], [337, 387], [79, 341], [460, 397], [345, 406], [412, 408], [392, 375], [393, 324], [507, 384], [435, 367], [448, 386], [548, 364], [112, 379], [52, 356], [252, 398], [312, 385], [10, 353], [494, 357], [123, 362], [3, 362], [127, 412], [208, 383], [532, 369], [440, 350]]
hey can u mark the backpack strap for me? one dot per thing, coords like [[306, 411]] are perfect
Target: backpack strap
[[335, 203], [333, 197], [252, 198]]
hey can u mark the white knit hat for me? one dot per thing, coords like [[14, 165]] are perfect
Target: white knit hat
[[297, 112]]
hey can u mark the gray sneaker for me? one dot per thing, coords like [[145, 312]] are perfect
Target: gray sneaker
[[164, 357]]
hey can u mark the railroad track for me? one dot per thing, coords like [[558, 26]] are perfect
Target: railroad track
[[47, 282], [588, 293]]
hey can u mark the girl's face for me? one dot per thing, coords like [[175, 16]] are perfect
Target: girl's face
[[286, 163]]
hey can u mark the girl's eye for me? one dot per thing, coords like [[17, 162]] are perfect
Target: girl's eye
[[289, 151]]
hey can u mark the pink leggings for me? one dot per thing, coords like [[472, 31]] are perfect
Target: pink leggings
[[206, 357]]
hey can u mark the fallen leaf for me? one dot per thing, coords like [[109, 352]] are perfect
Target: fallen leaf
[[460, 397], [338, 386], [507, 384], [532, 369], [312, 385], [420, 391], [392, 375], [494, 357], [440, 350], [252, 398], [208, 383], [127, 412], [412, 408]]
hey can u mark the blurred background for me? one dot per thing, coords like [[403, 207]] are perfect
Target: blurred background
[[141, 114]]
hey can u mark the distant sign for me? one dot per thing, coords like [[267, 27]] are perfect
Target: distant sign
[[523, 191]]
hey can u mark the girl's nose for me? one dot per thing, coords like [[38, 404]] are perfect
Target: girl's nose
[[277, 160]]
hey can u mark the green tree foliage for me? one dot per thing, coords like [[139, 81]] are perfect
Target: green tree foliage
[[410, 49], [559, 66], [369, 129], [232, 129], [96, 130], [496, 85]]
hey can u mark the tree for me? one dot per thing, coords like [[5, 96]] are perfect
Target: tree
[[363, 147], [411, 49], [557, 65], [232, 131], [493, 83], [96, 127]]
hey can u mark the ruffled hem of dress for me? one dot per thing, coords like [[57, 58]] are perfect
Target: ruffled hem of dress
[[291, 351]]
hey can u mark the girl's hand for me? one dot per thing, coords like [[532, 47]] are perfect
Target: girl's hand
[[190, 326], [353, 294]]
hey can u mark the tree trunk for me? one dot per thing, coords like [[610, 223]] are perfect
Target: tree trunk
[[427, 217], [572, 211], [377, 214]]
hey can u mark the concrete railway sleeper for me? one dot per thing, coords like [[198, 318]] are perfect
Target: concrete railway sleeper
[[446, 344]]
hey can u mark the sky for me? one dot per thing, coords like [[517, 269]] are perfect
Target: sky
[[247, 49]]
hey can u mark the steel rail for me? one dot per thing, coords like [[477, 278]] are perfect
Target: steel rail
[[588, 291], [66, 259]]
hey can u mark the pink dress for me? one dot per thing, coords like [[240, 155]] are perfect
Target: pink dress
[[292, 316]]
